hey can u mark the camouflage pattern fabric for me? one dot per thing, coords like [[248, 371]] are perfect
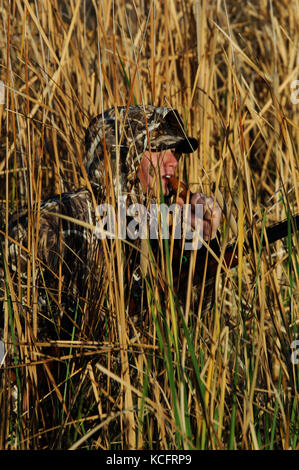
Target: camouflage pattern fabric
[[65, 248]]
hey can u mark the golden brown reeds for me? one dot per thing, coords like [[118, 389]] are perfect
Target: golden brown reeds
[[224, 380]]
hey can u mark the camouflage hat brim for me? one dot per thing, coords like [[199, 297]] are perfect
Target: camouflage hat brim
[[181, 145], [189, 145], [166, 130]]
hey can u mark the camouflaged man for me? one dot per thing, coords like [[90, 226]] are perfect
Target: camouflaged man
[[131, 151]]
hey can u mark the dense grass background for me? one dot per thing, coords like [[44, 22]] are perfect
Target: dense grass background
[[223, 380]]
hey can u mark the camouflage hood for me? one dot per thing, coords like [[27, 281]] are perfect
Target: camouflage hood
[[125, 133]]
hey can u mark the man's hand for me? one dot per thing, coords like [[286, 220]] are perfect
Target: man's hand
[[211, 214]]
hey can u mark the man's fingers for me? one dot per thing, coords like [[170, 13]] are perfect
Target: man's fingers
[[211, 214], [211, 208]]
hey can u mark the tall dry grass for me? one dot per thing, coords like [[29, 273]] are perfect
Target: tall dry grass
[[220, 381]]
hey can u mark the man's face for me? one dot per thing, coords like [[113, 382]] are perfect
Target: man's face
[[156, 165]]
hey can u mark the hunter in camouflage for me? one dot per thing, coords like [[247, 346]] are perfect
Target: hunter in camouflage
[[135, 141]]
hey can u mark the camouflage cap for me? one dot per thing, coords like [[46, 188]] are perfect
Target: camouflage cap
[[133, 130], [140, 127]]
